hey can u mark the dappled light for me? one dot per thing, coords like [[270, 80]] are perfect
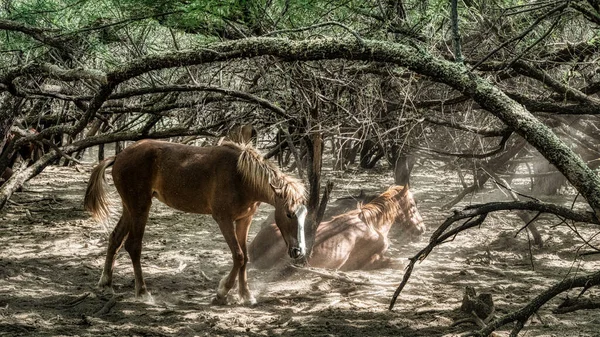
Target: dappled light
[[397, 167]]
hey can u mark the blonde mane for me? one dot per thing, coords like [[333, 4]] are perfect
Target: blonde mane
[[384, 209], [261, 175]]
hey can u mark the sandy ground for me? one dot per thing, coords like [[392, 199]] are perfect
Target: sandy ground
[[52, 254]]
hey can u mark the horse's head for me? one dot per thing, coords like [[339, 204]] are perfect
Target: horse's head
[[409, 218], [290, 220]]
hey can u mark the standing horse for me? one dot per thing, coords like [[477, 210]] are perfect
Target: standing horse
[[227, 181], [350, 241]]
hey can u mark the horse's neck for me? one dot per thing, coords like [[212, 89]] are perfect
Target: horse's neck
[[382, 216], [266, 195], [384, 227]]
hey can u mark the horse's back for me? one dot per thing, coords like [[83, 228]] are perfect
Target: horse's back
[[182, 176], [343, 241]]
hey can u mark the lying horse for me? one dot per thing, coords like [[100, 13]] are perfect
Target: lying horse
[[227, 181], [336, 207], [350, 241]]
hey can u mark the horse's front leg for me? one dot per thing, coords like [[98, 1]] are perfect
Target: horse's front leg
[[227, 228], [241, 230]]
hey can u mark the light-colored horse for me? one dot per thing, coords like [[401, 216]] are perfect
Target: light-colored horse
[[354, 240]]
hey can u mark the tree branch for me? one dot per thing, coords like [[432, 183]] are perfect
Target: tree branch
[[191, 88], [522, 315], [52, 71], [476, 214], [485, 132], [36, 33], [528, 70], [554, 108], [414, 58]]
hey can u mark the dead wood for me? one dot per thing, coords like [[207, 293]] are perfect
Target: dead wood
[[493, 165], [108, 305], [480, 308], [521, 316], [570, 305], [475, 215], [76, 301]]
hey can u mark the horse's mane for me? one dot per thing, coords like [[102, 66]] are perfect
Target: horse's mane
[[260, 174], [384, 209]]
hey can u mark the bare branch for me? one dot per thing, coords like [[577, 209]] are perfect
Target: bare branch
[[39, 34], [476, 215], [522, 315], [485, 132], [52, 71]]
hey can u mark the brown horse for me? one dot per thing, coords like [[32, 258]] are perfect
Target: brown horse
[[227, 181], [354, 240]]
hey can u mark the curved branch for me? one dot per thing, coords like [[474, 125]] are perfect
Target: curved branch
[[488, 96], [476, 214], [52, 71], [36, 33], [323, 24], [191, 88], [437, 238], [501, 147], [485, 132], [539, 206], [522, 315], [528, 70]]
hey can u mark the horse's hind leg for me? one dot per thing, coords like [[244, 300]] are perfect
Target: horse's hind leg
[[133, 245], [241, 230], [115, 242]]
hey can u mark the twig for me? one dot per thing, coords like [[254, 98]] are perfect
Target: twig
[[437, 238], [60, 152], [574, 305], [76, 301], [328, 23], [522, 315], [108, 306], [522, 35]]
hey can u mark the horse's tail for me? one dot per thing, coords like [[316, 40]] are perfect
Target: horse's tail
[[96, 196]]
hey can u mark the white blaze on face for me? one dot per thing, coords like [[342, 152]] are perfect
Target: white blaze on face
[[301, 216]]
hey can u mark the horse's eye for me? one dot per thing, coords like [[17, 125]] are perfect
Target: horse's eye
[[289, 215]]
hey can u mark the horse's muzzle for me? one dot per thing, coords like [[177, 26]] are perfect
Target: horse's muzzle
[[295, 253]]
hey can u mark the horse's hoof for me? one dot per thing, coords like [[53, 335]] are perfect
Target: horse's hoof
[[218, 300], [250, 301], [145, 297], [106, 290], [104, 281]]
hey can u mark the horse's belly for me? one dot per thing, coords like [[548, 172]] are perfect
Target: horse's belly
[[185, 205]]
